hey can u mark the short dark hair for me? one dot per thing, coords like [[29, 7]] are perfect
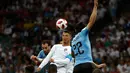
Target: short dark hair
[[67, 31], [70, 29], [29, 69], [52, 68], [46, 41]]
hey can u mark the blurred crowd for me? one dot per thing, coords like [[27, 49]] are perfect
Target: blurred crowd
[[25, 23], [113, 47]]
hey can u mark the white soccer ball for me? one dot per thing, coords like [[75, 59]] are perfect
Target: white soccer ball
[[61, 24]]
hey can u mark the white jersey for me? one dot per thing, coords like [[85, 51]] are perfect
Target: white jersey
[[70, 66], [59, 53]]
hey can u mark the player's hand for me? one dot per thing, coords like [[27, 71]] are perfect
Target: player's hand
[[33, 57], [51, 60], [38, 69], [96, 2], [37, 63], [101, 65]]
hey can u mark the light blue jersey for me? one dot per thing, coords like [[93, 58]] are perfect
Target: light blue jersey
[[41, 54], [81, 47]]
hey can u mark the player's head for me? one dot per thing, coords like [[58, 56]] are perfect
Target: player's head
[[52, 68], [29, 69], [46, 46], [66, 36], [97, 71]]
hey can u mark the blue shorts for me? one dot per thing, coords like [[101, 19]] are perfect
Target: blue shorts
[[83, 68]]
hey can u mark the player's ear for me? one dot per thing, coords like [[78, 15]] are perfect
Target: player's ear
[[70, 37], [49, 47]]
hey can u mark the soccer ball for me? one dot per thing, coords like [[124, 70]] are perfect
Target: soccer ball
[[61, 24]]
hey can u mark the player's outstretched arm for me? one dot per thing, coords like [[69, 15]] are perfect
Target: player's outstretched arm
[[93, 15], [46, 60], [100, 65], [64, 61]]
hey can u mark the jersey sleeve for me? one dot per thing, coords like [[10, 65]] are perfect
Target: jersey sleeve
[[71, 48], [84, 31], [40, 59], [41, 54], [67, 59], [46, 60]]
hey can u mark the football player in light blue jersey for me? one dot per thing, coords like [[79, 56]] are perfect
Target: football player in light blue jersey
[[81, 47], [42, 54]]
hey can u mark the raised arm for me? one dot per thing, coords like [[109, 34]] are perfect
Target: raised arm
[[47, 59], [93, 15]]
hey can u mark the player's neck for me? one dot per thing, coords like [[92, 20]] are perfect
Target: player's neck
[[66, 44]]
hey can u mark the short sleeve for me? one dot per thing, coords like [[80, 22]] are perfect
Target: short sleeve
[[84, 31]]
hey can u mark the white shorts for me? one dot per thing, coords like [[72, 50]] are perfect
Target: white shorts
[[61, 70], [70, 70], [70, 67]]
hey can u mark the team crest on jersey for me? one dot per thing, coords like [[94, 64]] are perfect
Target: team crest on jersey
[[65, 49]]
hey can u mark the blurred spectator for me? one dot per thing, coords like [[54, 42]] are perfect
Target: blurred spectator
[[101, 12], [128, 66], [29, 69], [128, 49], [113, 8], [122, 66], [25, 23], [113, 69]]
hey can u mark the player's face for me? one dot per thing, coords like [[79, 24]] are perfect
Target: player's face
[[66, 37], [45, 47]]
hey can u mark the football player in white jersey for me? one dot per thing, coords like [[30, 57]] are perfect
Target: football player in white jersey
[[60, 55]]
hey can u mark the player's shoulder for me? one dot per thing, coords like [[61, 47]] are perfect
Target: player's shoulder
[[75, 37], [85, 29], [57, 45], [42, 51], [78, 35]]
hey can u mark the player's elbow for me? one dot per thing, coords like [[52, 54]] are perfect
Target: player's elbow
[[91, 23], [67, 61], [40, 59], [69, 57]]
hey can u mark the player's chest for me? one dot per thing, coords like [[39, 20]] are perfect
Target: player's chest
[[62, 50]]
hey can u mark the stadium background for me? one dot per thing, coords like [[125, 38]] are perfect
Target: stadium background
[[25, 23]]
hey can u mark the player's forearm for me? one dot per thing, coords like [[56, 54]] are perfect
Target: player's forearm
[[95, 65], [100, 65], [40, 59], [46, 60], [64, 61], [93, 16]]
